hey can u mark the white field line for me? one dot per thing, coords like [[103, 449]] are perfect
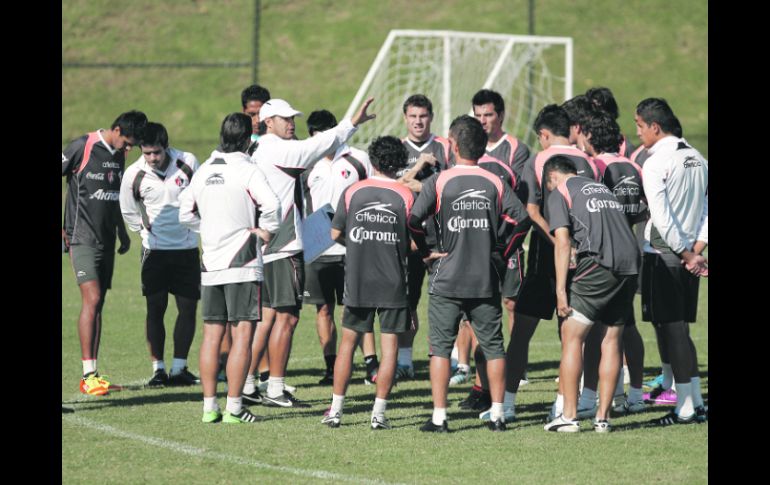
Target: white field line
[[212, 455]]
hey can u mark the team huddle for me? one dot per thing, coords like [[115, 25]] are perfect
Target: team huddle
[[606, 220]]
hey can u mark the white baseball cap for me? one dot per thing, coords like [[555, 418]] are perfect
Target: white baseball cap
[[277, 107]]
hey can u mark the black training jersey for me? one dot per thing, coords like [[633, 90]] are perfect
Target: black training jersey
[[92, 208], [596, 222], [479, 222], [436, 146], [627, 148], [511, 151], [373, 214], [500, 169], [624, 178], [640, 155]]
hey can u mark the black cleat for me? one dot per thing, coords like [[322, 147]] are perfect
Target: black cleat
[[184, 378], [498, 425], [470, 401], [673, 418], [159, 379], [254, 398], [701, 414], [287, 400], [326, 380], [429, 427]]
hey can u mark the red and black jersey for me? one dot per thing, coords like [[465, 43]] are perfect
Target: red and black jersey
[[479, 224], [436, 146], [624, 178], [511, 151], [92, 208], [373, 214]]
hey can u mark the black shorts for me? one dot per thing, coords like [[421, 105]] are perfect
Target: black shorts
[[392, 320], [599, 295], [232, 302], [90, 263], [324, 278], [514, 276], [284, 282], [444, 321], [537, 296], [669, 291], [175, 271], [415, 276]]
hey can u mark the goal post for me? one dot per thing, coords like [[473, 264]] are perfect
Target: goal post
[[449, 67]]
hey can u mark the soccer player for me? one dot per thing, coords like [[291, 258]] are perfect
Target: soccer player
[[283, 160], [537, 298], [252, 99], [325, 276], [603, 100], [676, 185], [149, 201], [221, 203], [479, 221], [93, 165], [371, 220], [578, 109], [427, 154], [584, 211]]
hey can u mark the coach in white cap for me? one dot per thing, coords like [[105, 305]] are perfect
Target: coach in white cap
[[283, 159]]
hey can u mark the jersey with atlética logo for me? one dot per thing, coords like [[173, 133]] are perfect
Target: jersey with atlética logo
[[436, 146], [373, 214], [596, 222], [92, 210], [478, 218], [624, 178]]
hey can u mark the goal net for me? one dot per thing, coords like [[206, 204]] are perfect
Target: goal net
[[450, 67]]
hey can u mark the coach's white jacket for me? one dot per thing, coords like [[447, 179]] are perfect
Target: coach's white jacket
[[221, 203]]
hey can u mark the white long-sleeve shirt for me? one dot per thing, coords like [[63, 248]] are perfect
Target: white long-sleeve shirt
[[282, 162], [675, 179], [221, 203], [149, 201]]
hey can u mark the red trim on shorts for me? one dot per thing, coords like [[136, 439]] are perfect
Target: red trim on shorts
[[596, 265]]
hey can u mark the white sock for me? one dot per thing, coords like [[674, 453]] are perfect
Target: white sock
[[684, 407], [625, 373], [234, 404], [619, 384], [158, 364], [379, 407], [580, 386], [668, 376], [89, 366], [455, 355], [464, 367], [439, 416], [697, 398], [509, 401], [558, 405], [635, 394], [210, 404], [248, 387], [275, 386], [337, 402], [177, 366], [587, 399], [405, 356], [496, 412]]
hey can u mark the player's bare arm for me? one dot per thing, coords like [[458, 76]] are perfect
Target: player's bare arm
[[562, 249]]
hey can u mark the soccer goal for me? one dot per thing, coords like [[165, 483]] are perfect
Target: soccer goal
[[449, 67]]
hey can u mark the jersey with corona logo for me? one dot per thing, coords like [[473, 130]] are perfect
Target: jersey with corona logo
[[478, 218], [624, 178], [372, 214], [92, 209]]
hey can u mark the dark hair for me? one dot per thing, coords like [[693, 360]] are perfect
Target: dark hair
[[131, 123], [578, 109], [388, 155], [657, 110], [470, 137], [553, 118], [235, 134], [255, 92], [604, 132], [320, 120], [558, 163], [486, 96], [154, 135], [602, 99], [420, 101]]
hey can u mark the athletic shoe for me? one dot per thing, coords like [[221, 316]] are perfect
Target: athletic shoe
[[404, 372], [245, 416], [214, 416], [660, 396], [477, 400], [702, 414], [586, 413], [673, 418], [326, 380], [106, 382], [657, 382], [429, 427], [183, 378], [380, 422], [286, 400], [460, 377], [93, 385], [254, 398], [371, 377], [602, 426], [332, 420], [509, 414], [562, 425], [498, 425], [263, 387], [160, 378], [630, 407], [523, 382]]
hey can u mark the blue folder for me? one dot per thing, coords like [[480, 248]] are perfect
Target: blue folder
[[316, 233]]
